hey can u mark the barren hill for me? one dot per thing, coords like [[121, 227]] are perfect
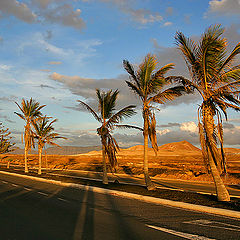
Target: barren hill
[[178, 146]]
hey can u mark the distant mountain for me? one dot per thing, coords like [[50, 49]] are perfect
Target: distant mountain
[[63, 150]]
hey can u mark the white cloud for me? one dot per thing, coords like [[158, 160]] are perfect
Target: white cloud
[[18, 10], [166, 24], [141, 15], [5, 67], [74, 53], [50, 11], [162, 132], [63, 14], [189, 127], [226, 7]]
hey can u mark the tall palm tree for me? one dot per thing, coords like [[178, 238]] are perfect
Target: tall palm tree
[[149, 84], [44, 133], [109, 119], [30, 111], [217, 80]]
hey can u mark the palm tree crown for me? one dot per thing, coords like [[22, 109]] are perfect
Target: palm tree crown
[[149, 83], [31, 110], [44, 131], [214, 76]]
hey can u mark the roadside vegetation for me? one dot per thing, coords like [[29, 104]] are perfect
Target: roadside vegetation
[[37, 127], [109, 119], [44, 133], [215, 77], [30, 112], [150, 85], [213, 74]]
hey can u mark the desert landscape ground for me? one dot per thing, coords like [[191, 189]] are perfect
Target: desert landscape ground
[[179, 160]]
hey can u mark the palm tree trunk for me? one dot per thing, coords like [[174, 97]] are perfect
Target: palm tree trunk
[[221, 191], [46, 160], [148, 182], [105, 178], [25, 159], [40, 160], [208, 123]]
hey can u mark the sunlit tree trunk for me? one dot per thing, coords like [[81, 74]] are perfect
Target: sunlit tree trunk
[[105, 178], [148, 182], [40, 159], [208, 124], [25, 159], [46, 160], [8, 164]]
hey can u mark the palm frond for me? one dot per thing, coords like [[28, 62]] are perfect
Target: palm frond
[[130, 69], [231, 57], [135, 89], [168, 94], [126, 126], [90, 110], [126, 112], [152, 132], [188, 49]]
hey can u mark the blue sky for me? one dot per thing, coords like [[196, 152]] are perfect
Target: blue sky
[[59, 51]]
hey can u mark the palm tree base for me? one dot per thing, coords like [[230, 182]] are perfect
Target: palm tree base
[[151, 187], [105, 181], [149, 184]]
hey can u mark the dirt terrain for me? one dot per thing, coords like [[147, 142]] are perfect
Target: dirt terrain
[[179, 160]]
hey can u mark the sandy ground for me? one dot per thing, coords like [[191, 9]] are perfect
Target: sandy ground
[[177, 161]]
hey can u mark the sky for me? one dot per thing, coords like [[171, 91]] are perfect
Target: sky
[[60, 51]]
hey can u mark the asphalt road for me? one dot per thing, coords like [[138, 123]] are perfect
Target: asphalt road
[[202, 187], [35, 210], [162, 183]]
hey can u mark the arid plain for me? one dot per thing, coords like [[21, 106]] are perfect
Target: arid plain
[[179, 160]]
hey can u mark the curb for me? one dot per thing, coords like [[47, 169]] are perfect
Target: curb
[[148, 199]]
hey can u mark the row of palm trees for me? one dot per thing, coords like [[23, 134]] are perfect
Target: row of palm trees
[[212, 74], [37, 127]]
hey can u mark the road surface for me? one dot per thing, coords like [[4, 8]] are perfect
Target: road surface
[[184, 185], [35, 210]]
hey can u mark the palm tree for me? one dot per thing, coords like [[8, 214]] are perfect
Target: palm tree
[[149, 84], [217, 80], [109, 119], [45, 135], [30, 112]]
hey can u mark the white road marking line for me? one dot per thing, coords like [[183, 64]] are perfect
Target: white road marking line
[[64, 200], [45, 194], [14, 185], [5, 182], [28, 189], [213, 224], [180, 234]]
